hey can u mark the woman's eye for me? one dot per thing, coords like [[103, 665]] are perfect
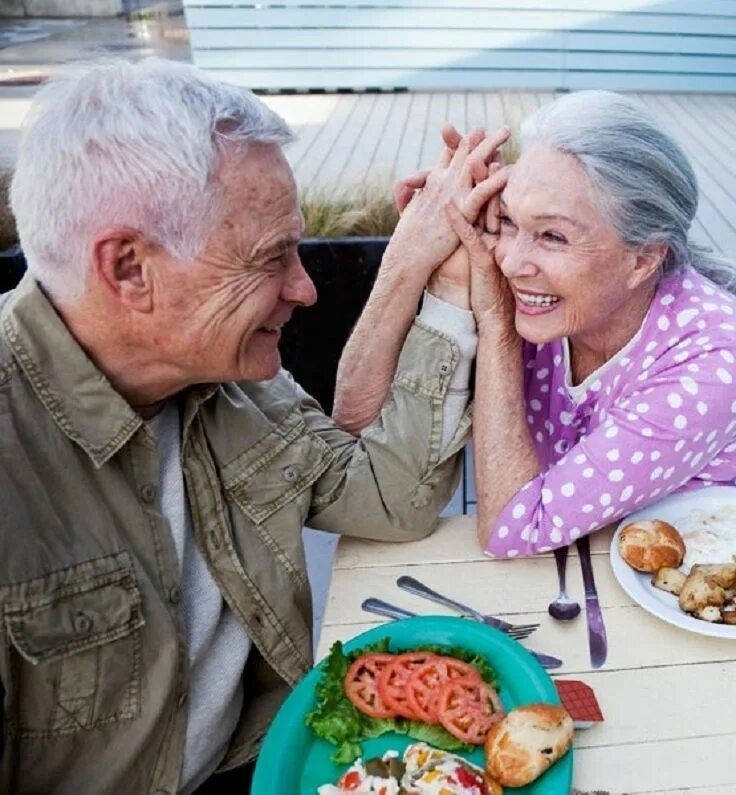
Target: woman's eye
[[554, 237], [505, 221]]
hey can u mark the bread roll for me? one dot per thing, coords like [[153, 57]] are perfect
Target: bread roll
[[650, 545], [526, 742]]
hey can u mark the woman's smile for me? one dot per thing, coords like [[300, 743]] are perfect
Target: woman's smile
[[528, 303]]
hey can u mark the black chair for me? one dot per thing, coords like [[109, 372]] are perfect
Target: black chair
[[343, 271], [12, 268]]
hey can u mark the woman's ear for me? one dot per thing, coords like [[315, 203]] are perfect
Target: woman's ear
[[648, 261], [120, 263]]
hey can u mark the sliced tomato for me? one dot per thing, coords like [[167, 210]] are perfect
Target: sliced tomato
[[468, 708], [426, 681], [349, 781], [361, 684], [393, 680], [457, 669]]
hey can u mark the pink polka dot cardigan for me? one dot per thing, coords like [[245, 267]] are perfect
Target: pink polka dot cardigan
[[657, 418]]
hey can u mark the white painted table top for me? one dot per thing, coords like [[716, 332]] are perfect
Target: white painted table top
[[667, 695]]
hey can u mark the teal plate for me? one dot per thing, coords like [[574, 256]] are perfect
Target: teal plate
[[293, 761]]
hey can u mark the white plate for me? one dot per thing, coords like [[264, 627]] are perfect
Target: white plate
[[675, 509]]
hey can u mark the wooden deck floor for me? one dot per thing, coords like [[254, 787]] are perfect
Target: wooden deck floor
[[347, 139]]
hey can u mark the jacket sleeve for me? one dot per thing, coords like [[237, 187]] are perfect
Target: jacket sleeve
[[392, 482]]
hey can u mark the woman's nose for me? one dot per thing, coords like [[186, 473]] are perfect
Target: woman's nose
[[517, 259]]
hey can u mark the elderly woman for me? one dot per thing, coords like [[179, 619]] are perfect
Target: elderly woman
[[605, 365]]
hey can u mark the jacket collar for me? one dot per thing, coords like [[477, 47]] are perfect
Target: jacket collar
[[80, 399]]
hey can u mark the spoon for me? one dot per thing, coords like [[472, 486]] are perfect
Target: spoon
[[562, 608]]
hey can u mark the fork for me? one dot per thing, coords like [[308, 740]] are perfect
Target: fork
[[381, 608], [419, 589]]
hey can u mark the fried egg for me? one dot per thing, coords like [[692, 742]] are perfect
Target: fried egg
[[709, 536]]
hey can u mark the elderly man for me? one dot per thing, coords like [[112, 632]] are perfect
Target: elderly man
[[156, 465]]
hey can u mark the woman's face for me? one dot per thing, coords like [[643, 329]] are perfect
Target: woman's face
[[570, 273]]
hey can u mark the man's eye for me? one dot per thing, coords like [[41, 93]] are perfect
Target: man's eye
[[277, 260]]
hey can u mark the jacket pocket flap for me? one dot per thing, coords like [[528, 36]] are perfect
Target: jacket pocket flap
[[289, 460], [76, 617]]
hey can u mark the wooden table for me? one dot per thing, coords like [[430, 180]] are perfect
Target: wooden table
[[667, 694]]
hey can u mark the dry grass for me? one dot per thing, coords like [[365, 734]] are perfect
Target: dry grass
[[356, 211], [8, 232]]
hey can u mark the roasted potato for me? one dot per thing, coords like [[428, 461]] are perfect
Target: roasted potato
[[707, 586], [723, 574], [710, 613], [670, 580]]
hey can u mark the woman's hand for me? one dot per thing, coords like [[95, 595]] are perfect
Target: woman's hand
[[405, 188], [424, 236], [490, 296]]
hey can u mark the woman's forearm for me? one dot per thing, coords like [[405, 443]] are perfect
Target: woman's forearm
[[504, 455]]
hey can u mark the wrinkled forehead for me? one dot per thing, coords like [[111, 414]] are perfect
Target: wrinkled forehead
[[260, 201]]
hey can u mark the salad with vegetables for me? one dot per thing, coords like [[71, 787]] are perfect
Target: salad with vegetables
[[445, 697], [422, 771]]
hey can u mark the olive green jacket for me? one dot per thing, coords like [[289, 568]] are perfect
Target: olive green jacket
[[93, 661]]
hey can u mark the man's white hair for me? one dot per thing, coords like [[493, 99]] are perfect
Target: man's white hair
[[115, 143]]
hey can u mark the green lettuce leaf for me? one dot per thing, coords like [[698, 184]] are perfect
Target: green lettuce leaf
[[435, 735], [338, 721]]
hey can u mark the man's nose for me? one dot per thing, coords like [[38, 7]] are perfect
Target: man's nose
[[298, 287]]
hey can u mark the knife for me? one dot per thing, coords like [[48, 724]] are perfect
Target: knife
[[597, 642], [381, 608]]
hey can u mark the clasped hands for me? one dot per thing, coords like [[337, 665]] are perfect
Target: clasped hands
[[450, 224]]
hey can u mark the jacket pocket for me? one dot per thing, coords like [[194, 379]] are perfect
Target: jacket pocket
[[277, 471], [75, 659]]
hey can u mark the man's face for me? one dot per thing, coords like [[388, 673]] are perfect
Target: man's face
[[220, 315]]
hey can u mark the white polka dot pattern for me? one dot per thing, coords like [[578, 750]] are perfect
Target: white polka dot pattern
[[630, 439]]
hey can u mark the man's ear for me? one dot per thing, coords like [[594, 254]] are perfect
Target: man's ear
[[119, 260], [648, 260]]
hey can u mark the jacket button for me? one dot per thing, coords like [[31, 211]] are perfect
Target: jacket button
[[148, 493], [82, 623], [445, 368], [174, 595], [290, 474]]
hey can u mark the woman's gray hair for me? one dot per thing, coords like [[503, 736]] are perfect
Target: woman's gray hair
[[115, 143], [647, 187]]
